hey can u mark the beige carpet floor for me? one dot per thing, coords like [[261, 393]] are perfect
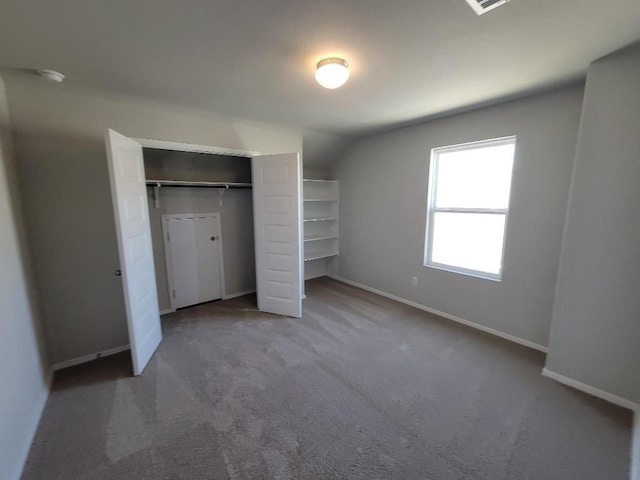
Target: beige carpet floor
[[360, 388]]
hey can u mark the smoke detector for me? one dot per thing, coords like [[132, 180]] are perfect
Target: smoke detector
[[51, 76], [483, 6]]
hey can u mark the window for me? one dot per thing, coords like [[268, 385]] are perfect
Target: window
[[469, 188]]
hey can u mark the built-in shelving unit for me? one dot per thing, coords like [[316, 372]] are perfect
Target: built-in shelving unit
[[315, 238], [320, 226], [319, 256]]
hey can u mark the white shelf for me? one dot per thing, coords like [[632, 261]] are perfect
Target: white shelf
[[315, 238], [320, 219], [317, 256], [321, 233]]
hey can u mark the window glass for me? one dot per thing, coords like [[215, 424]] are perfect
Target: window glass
[[479, 177], [469, 189], [468, 240]]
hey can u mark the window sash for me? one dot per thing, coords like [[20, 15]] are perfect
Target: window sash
[[429, 262], [432, 209]]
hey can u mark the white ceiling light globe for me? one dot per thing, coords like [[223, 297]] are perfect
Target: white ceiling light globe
[[332, 72], [51, 75]]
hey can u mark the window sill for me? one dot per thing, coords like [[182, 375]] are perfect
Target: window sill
[[468, 273]]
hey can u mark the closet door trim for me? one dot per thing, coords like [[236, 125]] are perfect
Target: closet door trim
[[191, 147]]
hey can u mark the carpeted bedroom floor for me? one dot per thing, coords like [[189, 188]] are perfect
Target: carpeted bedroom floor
[[360, 388]]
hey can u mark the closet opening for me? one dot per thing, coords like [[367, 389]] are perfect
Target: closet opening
[[202, 228], [181, 181]]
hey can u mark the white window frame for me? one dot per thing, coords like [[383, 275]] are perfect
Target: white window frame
[[432, 209]]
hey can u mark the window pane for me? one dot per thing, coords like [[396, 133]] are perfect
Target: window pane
[[479, 177], [468, 240]]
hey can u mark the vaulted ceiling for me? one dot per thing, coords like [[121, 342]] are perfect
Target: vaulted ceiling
[[410, 59]]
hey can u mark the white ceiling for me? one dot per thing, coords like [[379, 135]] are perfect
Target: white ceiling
[[410, 59]]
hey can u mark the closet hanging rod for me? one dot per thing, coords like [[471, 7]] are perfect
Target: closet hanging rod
[[184, 183]]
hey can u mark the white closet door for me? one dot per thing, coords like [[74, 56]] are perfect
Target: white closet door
[[208, 238], [129, 194], [277, 213], [194, 259]]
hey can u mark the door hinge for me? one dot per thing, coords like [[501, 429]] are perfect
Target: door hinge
[[168, 237], [173, 293]]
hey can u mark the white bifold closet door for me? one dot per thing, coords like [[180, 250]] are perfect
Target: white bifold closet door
[[277, 215], [129, 194], [193, 258]]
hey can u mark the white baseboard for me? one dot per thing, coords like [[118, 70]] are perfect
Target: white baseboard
[[87, 358], [318, 275], [238, 294], [448, 316], [168, 310], [635, 447], [596, 392]]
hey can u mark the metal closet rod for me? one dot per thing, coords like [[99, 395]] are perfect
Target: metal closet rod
[[185, 183], [221, 186]]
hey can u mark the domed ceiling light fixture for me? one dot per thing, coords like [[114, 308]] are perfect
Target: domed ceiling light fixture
[[332, 72], [51, 76]]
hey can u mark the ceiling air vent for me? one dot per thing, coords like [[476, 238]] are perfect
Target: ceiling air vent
[[483, 6]]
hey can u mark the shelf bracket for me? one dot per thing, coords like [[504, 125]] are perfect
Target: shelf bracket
[[156, 195], [221, 191]]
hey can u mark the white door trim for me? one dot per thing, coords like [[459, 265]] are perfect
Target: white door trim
[[190, 147], [167, 251]]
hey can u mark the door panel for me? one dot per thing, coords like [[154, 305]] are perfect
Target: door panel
[[277, 208], [184, 262], [194, 258], [129, 194], [208, 258]]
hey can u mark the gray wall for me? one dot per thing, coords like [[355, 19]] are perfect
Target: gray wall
[[320, 149], [595, 336], [60, 143], [237, 233], [315, 173], [383, 194], [23, 370]]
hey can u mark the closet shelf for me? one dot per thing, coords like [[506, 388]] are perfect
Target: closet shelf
[[320, 219], [317, 256], [320, 199], [323, 181], [315, 238], [184, 183]]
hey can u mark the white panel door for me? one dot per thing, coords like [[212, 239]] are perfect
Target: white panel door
[[129, 194], [193, 259], [208, 240], [277, 213]]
